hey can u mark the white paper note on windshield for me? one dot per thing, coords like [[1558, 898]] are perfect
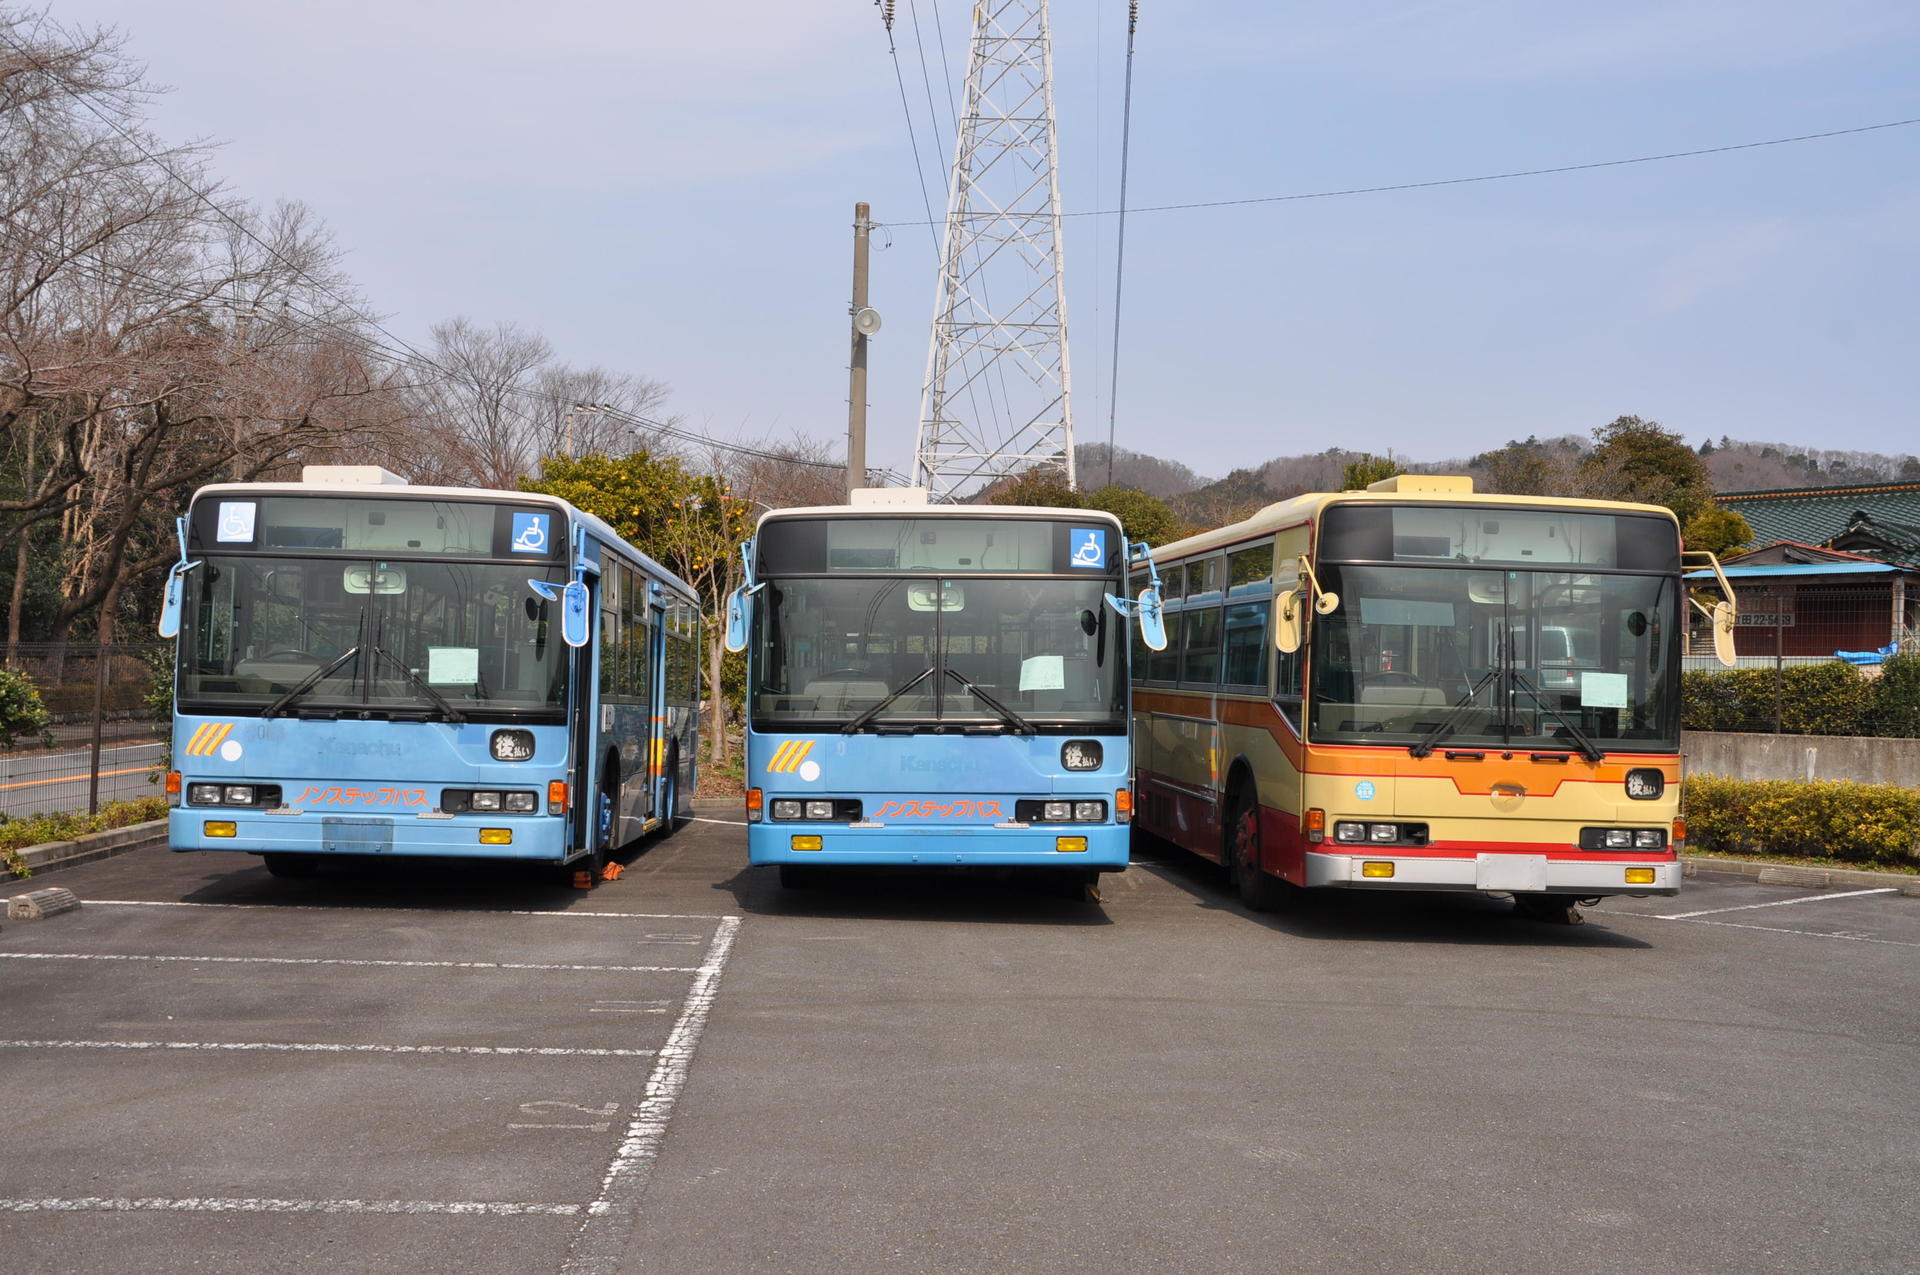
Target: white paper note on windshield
[[453, 665], [1603, 690], [1043, 673]]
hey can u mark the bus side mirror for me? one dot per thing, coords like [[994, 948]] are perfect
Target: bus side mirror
[[1289, 622], [738, 614], [1723, 633], [573, 613], [175, 599], [1153, 620]]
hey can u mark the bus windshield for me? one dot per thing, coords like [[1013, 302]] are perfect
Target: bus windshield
[[384, 636], [1449, 656], [972, 652]]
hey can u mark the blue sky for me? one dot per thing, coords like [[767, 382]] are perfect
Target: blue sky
[[667, 190]]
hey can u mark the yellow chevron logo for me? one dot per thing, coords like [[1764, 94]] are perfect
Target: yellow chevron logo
[[787, 757], [208, 738]]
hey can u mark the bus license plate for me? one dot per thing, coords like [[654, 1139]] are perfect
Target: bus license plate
[[1510, 871]]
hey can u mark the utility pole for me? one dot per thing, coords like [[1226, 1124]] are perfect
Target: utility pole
[[866, 321]]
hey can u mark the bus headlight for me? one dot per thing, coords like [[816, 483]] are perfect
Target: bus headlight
[[1082, 754], [1345, 831], [521, 803], [484, 801], [203, 794], [1089, 811], [819, 810], [1057, 811], [787, 809], [239, 795]]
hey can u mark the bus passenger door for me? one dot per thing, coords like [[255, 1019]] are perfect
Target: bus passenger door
[[657, 703]]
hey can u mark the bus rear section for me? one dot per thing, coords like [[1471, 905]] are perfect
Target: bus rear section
[[296, 789], [937, 686], [989, 800], [1522, 822]]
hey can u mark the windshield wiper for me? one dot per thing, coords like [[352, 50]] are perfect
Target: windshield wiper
[[440, 701], [853, 727], [1588, 749], [320, 674], [1020, 724], [307, 683], [1424, 748]]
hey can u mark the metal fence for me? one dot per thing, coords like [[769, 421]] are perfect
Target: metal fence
[[108, 745], [1793, 674]]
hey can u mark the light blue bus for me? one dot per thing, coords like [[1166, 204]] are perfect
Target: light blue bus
[[371, 668], [938, 686]]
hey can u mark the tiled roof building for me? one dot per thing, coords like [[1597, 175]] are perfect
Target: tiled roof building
[[1875, 520]]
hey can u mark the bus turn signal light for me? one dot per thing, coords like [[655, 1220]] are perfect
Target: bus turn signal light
[[756, 803], [1376, 868], [557, 797], [173, 783], [1123, 805], [1679, 839], [1640, 876], [1316, 825]]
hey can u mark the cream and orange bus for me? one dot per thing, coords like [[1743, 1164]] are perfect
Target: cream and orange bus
[[1418, 687]]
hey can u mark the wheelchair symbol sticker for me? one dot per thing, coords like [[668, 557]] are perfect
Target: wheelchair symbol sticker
[[530, 533], [236, 521], [1089, 548]]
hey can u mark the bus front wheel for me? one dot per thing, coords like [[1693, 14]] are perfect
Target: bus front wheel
[[1259, 890]]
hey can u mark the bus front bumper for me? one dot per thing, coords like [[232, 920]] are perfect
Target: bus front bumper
[[1509, 872], [1032, 847], [535, 837]]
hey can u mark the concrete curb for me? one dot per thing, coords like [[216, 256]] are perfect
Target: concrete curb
[[50, 856], [719, 803], [1792, 874]]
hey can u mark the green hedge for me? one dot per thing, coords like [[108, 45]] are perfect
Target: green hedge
[[1814, 699], [1815, 819]]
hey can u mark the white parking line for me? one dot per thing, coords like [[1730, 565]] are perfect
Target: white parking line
[[280, 1047], [107, 1204], [736, 823], [600, 1244], [1778, 903], [1807, 934], [342, 960], [330, 907]]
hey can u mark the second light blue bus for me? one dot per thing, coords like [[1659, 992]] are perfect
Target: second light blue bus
[[938, 686], [367, 667]]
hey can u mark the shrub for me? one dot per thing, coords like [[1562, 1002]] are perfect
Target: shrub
[[17, 834], [1896, 697], [21, 712], [1818, 819], [1831, 698]]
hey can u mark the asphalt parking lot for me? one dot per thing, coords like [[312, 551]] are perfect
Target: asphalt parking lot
[[392, 1067]]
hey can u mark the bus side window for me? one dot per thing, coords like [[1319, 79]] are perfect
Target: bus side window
[[1200, 646], [1246, 663]]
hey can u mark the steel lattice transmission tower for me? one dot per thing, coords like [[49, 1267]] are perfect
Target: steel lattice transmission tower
[[997, 395]]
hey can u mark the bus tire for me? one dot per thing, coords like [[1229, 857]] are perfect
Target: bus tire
[[1260, 891], [291, 865], [1549, 909], [672, 821], [599, 831]]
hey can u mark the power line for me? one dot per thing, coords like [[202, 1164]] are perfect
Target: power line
[[1491, 177]]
